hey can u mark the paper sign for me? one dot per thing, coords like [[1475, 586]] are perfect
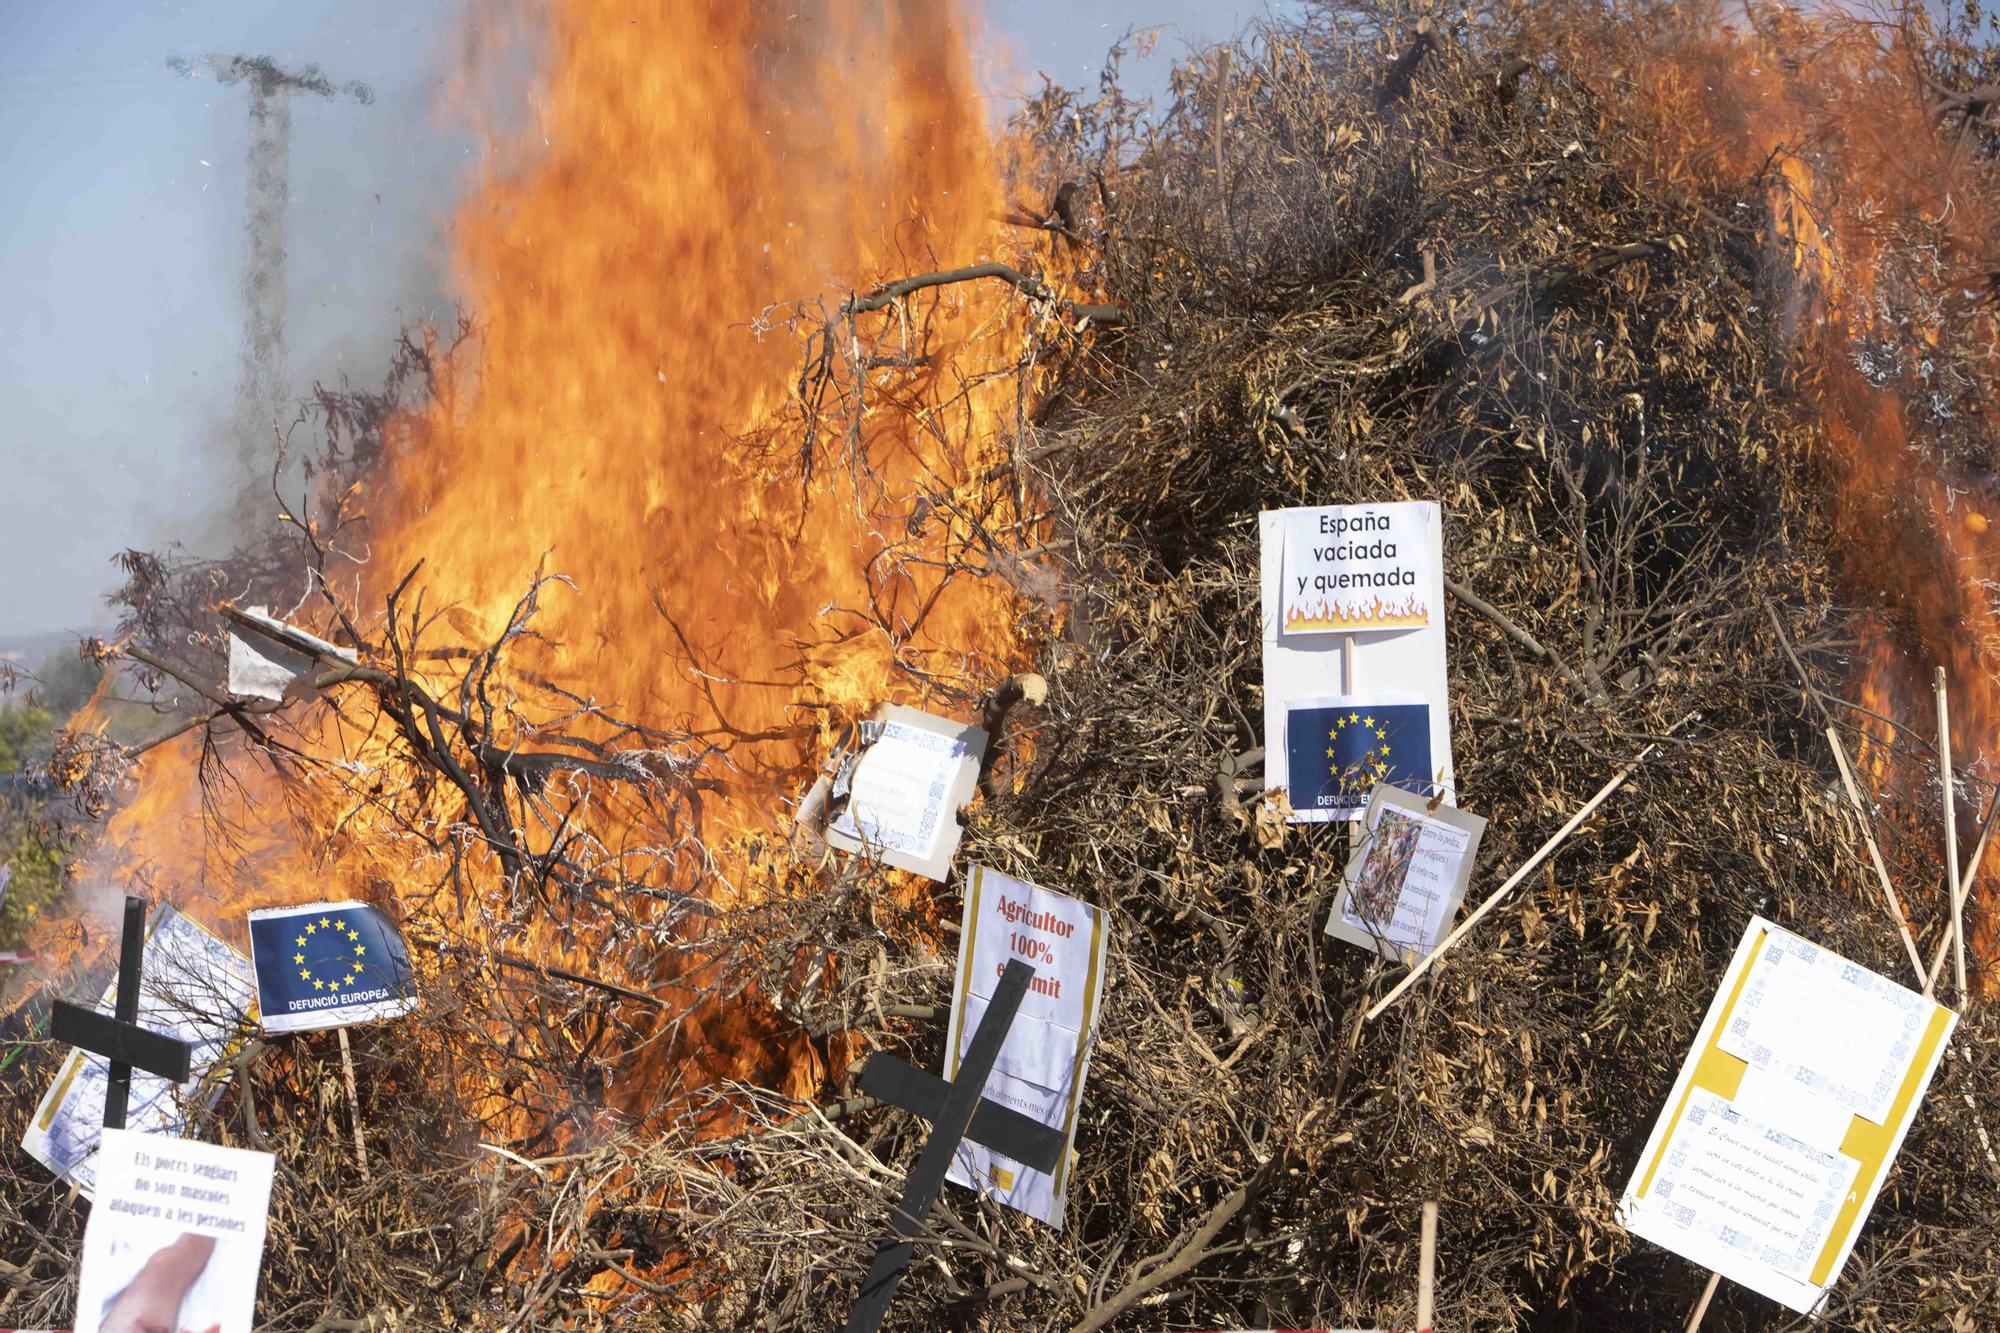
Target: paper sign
[[263, 666], [1358, 567], [1830, 1027], [192, 987], [1764, 1163], [1393, 665], [1042, 1065], [176, 1236], [1750, 1186], [898, 796], [325, 965], [1405, 881], [1339, 749]]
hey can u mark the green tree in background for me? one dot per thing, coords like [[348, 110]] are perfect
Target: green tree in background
[[29, 842], [23, 727]]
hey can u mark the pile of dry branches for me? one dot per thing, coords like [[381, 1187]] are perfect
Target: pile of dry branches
[[1372, 255]]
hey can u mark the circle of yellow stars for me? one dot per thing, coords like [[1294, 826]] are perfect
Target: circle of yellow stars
[[353, 963], [1374, 760]]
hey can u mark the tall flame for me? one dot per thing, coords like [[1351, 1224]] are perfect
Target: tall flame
[[627, 416], [1880, 222], [683, 176]]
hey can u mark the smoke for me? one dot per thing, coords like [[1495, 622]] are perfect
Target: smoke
[[343, 192]]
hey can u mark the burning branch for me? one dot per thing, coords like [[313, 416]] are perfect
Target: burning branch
[[880, 298]]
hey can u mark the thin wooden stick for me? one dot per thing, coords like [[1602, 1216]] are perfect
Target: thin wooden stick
[[1874, 852], [1357, 830], [354, 1105], [1527, 868], [1427, 1269], [1701, 1306], [1965, 879], [1950, 830], [1937, 961]]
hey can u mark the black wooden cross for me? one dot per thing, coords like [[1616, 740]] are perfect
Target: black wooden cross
[[120, 1039], [956, 1111]]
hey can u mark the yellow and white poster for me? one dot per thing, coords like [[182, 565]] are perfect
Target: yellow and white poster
[[1786, 1117], [1043, 1062]]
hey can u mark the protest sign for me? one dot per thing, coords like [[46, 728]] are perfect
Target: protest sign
[[1791, 1106], [195, 989], [325, 965], [1353, 650], [1405, 881], [897, 793], [266, 656], [1338, 749], [1041, 1068], [1358, 567], [176, 1236]]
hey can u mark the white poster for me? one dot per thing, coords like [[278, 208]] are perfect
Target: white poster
[[193, 987], [1406, 879], [264, 666], [176, 1237], [897, 795], [1358, 567], [1041, 1068], [1747, 1185], [1830, 1028], [1786, 1117], [1308, 664]]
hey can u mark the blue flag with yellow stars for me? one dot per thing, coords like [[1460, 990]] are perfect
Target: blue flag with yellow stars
[[1338, 750], [329, 964]]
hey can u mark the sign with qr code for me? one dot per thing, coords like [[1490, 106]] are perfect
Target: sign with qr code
[[1786, 1117]]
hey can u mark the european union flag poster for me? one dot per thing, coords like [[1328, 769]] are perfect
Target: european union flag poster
[[326, 965], [1337, 749]]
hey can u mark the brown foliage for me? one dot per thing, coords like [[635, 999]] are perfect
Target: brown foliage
[[1465, 291]]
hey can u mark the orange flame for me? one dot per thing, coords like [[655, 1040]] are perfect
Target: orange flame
[[1880, 221], [626, 417]]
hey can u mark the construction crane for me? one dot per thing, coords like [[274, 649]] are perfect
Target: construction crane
[[262, 391]]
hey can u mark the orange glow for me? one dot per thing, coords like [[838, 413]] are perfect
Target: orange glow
[[627, 417], [1879, 226]]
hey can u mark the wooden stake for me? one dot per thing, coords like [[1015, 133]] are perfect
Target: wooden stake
[[1950, 832], [1357, 829], [1527, 868], [1427, 1269], [1930, 978], [1701, 1306], [353, 1105], [1965, 879], [1216, 116], [1874, 852]]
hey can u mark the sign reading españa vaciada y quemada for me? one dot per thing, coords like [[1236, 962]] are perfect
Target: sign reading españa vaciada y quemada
[[325, 965], [1362, 567]]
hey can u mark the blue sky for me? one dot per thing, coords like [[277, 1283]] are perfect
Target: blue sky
[[121, 241]]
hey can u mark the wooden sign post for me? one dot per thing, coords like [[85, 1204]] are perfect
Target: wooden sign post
[[956, 1112], [120, 1039]]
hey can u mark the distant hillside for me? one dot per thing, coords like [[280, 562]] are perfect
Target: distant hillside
[[31, 650]]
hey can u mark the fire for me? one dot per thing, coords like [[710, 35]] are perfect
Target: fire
[[624, 436], [1379, 613], [1880, 223]]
